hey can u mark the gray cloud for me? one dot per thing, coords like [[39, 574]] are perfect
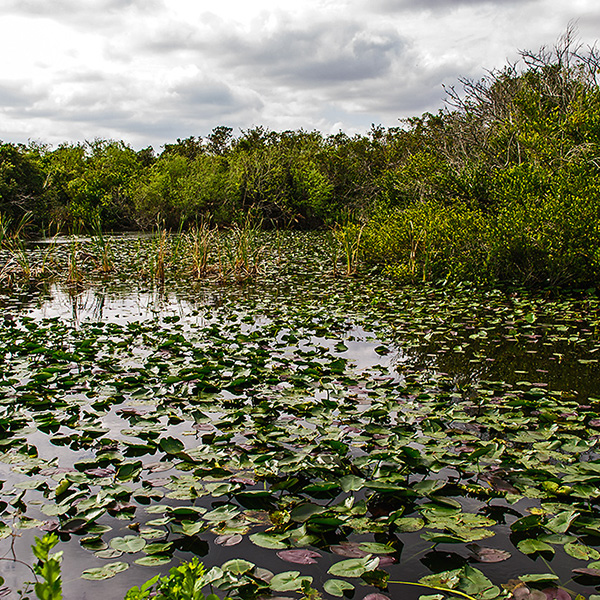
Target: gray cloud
[[60, 8], [146, 72], [393, 6]]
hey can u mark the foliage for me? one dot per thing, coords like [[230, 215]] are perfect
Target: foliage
[[184, 582], [48, 568], [501, 186]]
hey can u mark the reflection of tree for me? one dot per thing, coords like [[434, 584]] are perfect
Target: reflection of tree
[[554, 364]]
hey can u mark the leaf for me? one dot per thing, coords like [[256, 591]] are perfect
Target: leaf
[[303, 512], [354, 567], [299, 556], [352, 483], [108, 553], [238, 566], [337, 587], [408, 524], [73, 525], [222, 513], [105, 572], [273, 541], [349, 549], [171, 445], [129, 470], [154, 560], [228, 540], [561, 522], [129, 544], [474, 582], [375, 548], [556, 594], [526, 523], [581, 551], [428, 486], [588, 572], [531, 546], [487, 555], [289, 581], [539, 577]]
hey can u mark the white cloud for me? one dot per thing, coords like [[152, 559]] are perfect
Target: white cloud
[[149, 71]]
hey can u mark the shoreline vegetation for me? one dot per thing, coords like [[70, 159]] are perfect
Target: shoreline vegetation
[[501, 186]]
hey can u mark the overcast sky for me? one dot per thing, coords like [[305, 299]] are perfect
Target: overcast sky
[[150, 71]]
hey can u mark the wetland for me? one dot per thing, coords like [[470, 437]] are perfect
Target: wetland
[[298, 430]]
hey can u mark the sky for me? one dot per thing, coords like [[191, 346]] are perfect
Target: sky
[[150, 71]]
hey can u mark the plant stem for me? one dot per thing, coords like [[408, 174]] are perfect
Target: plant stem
[[433, 587]]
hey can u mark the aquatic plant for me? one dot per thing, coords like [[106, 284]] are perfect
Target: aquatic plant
[[102, 249], [240, 252], [200, 241]]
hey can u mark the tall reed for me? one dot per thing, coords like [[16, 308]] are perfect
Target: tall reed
[[200, 240], [345, 241], [102, 249], [241, 255]]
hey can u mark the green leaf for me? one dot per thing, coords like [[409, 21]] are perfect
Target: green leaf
[[171, 445], [289, 581], [238, 566], [129, 470], [581, 551], [337, 587], [531, 546], [105, 572], [354, 567], [303, 512], [129, 544], [408, 524], [274, 541], [561, 522], [475, 583], [154, 560], [539, 577], [351, 483], [375, 548]]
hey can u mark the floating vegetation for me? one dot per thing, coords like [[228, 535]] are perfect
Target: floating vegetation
[[304, 435]]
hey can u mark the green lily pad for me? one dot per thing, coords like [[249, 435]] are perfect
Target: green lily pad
[[105, 572]]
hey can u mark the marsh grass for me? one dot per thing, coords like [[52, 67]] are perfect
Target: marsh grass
[[200, 240], [19, 264], [240, 252], [102, 250], [75, 276], [345, 242]]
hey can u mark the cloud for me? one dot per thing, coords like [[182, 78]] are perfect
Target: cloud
[[148, 71], [394, 6]]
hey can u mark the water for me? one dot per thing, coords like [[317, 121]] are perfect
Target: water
[[299, 361]]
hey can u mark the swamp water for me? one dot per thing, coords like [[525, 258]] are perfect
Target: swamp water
[[347, 430]]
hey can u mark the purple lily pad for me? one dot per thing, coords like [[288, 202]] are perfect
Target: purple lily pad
[[589, 572], [488, 555], [349, 550], [376, 597], [299, 556], [100, 472], [556, 594], [49, 526], [229, 539]]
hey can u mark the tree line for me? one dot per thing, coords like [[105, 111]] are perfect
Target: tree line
[[501, 185]]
